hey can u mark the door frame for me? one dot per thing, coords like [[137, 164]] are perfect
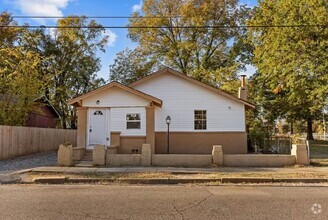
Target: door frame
[[107, 126]]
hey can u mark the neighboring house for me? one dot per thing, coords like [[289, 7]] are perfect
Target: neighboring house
[[128, 116], [44, 117]]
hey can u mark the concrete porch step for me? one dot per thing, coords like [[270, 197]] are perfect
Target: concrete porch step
[[87, 156]]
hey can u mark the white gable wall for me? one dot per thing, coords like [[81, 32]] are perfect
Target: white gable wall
[[114, 97], [120, 103], [118, 121], [181, 97]]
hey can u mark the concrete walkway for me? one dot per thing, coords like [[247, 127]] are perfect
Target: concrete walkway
[[178, 170]]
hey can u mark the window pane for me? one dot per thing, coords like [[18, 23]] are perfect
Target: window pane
[[200, 119], [132, 117], [133, 125], [98, 113], [133, 121]]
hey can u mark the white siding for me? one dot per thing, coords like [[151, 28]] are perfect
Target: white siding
[[118, 121], [181, 97], [114, 97]]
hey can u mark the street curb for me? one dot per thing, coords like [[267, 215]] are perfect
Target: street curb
[[22, 171], [299, 180], [246, 180], [62, 180], [50, 180], [10, 178]]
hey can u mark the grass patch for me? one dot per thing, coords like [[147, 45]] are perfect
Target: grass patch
[[160, 175], [319, 162], [319, 150], [319, 142]]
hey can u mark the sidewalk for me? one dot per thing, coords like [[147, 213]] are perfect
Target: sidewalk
[[172, 175], [177, 170]]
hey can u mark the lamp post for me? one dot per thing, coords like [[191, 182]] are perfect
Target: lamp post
[[168, 121]]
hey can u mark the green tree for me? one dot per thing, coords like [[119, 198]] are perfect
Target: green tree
[[69, 61], [19, 80], [129, 66], [211, 55], [291, 80]]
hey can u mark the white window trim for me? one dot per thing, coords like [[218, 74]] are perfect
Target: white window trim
[[200, 119], [133, 121]]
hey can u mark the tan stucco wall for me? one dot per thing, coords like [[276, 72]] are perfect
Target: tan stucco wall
[[201, 142], [81, 126], [150, 127], [127, 143], [116, 160], [300, 151], [115, 139], [259, 160], [178, 160]]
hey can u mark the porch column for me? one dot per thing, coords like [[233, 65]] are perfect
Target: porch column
[[150, 127], [81, 126]]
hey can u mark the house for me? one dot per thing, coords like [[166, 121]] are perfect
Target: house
[[44, 117], [125, 117]]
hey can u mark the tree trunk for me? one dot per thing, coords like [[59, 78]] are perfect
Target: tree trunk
[[291, 128], [309, 135]]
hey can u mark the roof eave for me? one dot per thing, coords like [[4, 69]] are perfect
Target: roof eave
[[77, 102]]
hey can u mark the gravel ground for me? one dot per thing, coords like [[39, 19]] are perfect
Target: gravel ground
[[28, 161]]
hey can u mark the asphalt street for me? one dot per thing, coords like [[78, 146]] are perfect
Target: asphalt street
[[162, 202]]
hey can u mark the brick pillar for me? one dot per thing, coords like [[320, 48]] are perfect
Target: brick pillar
[[81, 126], [150, 127]]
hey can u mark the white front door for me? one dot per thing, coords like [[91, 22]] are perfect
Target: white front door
[[97, 127]]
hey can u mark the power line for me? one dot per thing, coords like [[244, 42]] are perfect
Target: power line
[[104, 17], [171, 27]]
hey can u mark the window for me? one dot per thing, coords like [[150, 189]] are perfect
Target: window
[[200, 119], [98, 113], [133, 121]]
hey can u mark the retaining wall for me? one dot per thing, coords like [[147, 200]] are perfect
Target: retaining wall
[[181, 160], [117, 160], [258, 160]]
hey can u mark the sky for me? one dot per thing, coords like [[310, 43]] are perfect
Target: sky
[[118, 39]]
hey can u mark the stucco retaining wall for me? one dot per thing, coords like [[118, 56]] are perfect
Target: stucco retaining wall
[[127, 143], [201, 142], [181, 160], [116, 160], [256, 160]]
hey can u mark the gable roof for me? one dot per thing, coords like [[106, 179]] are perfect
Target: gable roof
[[183, 76], [45, 100], [77, 101]]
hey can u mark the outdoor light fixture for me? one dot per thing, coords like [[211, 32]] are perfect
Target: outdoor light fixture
[[97, 102], [168, 121]]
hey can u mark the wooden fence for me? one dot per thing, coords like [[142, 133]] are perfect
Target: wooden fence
[[17, 141]]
